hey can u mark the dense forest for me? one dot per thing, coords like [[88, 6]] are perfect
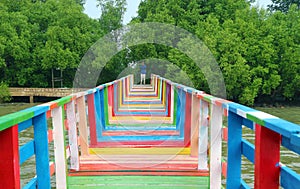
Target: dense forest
[[258, 50]]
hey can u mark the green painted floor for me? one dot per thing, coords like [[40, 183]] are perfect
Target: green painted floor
[[132, 182]]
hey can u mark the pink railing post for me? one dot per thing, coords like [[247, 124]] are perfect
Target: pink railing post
[[92, 118], [187, 125]]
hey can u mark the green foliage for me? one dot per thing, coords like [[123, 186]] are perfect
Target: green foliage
[[4, 93], [112, 12], [37, 36], [283, 5], [257, 50]]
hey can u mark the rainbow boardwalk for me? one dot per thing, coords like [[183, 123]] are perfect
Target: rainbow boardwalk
[[160, 135]]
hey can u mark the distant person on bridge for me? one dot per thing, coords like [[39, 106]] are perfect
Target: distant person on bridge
[[143, 68]]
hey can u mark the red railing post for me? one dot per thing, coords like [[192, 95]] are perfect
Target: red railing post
[[9, 158], [267, 155]]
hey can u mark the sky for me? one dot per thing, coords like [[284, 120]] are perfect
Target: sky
[[132, 6]]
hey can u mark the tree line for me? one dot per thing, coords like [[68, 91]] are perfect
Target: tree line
[[258, 50]]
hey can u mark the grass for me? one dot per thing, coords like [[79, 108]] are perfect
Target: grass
[[291, 114]]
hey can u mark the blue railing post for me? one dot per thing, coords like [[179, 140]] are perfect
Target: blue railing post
[[98, 113], [234, 151], [41, 151]]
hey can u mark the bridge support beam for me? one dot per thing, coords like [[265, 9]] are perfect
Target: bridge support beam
[[31, 100]]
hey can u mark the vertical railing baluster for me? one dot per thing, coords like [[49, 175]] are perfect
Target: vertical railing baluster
[[41, 151], [216, 119], [9, 158], [234, 156], [203, 135], [267, 155], [98, 113], [172, 102], [59, 147], [82, 126], [92, 118], [181, 112], [187, 123], [71, 117], [195, 125]]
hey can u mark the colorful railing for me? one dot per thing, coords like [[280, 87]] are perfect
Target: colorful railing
[[199, 120]]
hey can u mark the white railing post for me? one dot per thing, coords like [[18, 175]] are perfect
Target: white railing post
[[59, 148], [216, 119], [71, 117], [203, 135]]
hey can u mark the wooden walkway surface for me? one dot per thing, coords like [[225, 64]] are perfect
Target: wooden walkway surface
[[150, 159], [138, 182]]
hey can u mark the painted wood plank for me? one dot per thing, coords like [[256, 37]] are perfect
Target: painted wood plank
[[139, 173], [59, 148], [26, 151], [224, 169], [140, 133], [287, 142], [50, 136], [234, 157], [267, 156], [225, 134], [82, 126], [9, 158], [181, 111], [92, 118], [140, 163], [41, 151], [12, 119], [187, 123], [203, 135], [244, 185], [72, 132], [289, 178], [31, 184], [98, 112], [136, 167], [139, 182], [140, 138], [52, 168], [134, 157], [248, 123], [195, 125], [117, 151], [24, 125], [295, 140], [248, 150], [216, 124], [139, 144]]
